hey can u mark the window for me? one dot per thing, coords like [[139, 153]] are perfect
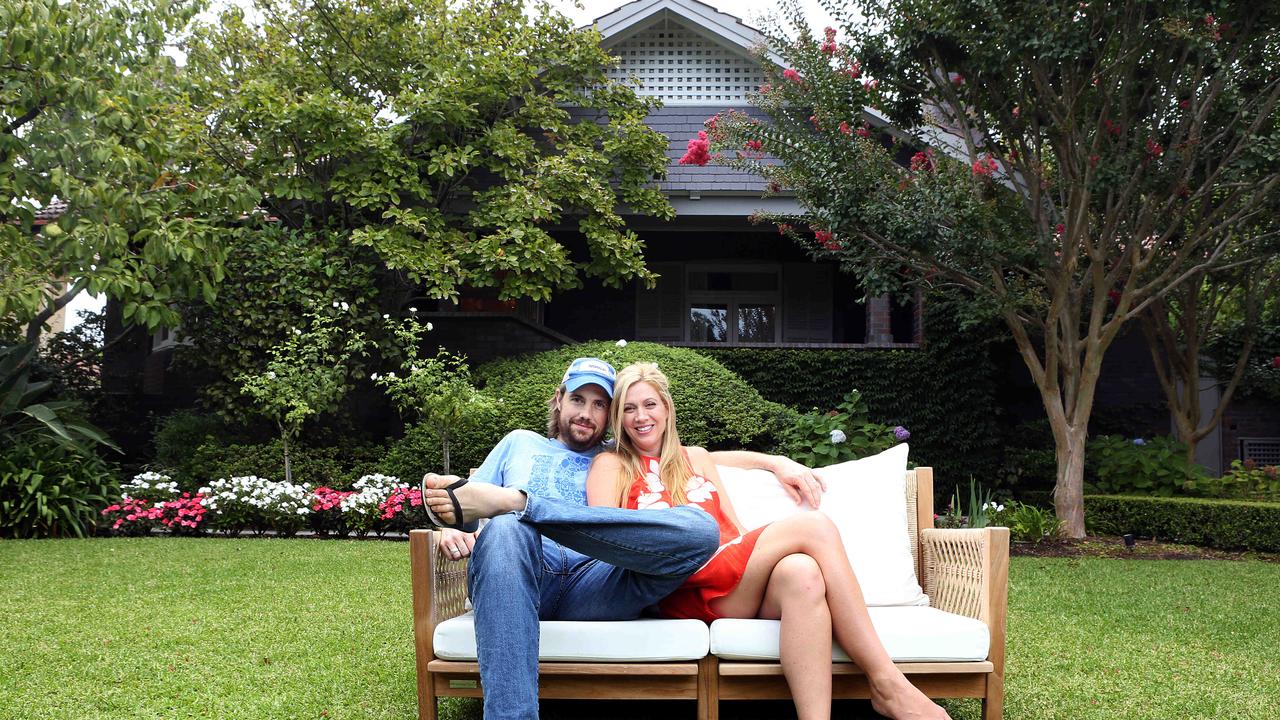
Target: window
[[732, 305]]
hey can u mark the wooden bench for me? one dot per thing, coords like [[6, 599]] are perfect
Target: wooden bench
[[964, 572]]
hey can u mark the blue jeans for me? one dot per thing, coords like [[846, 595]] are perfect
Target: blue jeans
[[562, 561]]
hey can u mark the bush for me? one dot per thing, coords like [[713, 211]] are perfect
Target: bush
[[818, 439], [49, 490], [1249, 481], [944, 392], [1145, 467], [1027, 523], [419, 451], [715, 408], [177, 434], [312, 465], [1224, 524]]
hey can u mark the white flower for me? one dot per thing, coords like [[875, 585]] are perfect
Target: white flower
[[385, 316], [271, 374], [373, 376], [413, 309], [296, 331], [335, 303], [345, 307], [391, 375], [621, 343], [838, 436], [430, 327]]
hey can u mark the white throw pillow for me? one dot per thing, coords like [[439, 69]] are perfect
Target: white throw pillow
[[866, 499]]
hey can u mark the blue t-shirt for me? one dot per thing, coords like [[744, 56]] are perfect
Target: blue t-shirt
[[539, 466]]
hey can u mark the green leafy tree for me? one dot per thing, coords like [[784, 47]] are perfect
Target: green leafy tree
[[436, 389], [278, 274], [307, 375], [93, 115], [1064, 164], [437, 134]]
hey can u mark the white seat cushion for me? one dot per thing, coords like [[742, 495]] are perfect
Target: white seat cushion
[[909, 634], [866, 500], [621, 641]]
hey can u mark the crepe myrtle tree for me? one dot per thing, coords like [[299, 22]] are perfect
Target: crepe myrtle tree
[[95, 131], [1067, 165], [1180, 326], [439, 134]]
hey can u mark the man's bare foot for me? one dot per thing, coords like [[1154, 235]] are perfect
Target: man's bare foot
[[477, 499], [899, 699]]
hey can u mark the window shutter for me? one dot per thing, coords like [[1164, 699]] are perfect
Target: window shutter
[[807, 297], [660, 311]]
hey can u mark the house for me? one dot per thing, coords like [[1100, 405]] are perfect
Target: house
[[724, 281]]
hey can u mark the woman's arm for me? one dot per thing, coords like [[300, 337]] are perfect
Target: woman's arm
[[706, 467], [602, 480], [801, 483]]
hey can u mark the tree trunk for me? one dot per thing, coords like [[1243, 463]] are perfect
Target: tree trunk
[[1068, 491], [284, 438], [444, 441]]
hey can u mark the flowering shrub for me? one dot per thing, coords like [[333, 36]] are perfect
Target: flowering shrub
[[363, 509], [256, 504], [818, 439], [1155, 466], [149, 486], [403, 509], [136, 516]]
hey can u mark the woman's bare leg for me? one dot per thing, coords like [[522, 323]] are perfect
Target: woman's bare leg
[[813, 534], [797, 595]]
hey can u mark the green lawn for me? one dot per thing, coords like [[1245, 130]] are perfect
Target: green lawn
[[214, 628]]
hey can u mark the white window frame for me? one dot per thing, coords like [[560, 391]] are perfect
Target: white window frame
[[733, 299]]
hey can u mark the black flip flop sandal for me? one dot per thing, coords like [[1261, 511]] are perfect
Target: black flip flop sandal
[[459, 522]]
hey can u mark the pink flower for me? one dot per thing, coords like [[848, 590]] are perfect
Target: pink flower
[[765, 89], [828, 48], [844, 128], [696, 152], [792, 75], [864, 131], [922, 160], [985, 165], [783, 229], [754, 145], [870, 85], [816, 125], [854, 70], [1154, 149], [1059, 229], [829, 33], [826, 239]]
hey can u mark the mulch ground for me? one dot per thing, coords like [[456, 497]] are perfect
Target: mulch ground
[[1113, 547]]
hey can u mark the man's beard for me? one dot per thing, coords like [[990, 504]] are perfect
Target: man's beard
[[570, 434]]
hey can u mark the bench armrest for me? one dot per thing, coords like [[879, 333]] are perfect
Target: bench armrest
[[439, 587], [966, 572]]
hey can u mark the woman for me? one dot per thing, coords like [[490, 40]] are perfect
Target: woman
[[794, 570]]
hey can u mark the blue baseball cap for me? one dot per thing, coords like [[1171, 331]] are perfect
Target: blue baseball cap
[[589, 371]]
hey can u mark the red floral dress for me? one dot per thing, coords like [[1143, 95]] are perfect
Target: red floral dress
[[722, 573]]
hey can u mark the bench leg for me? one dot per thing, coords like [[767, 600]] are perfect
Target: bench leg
[[993, 703], [709, 688]]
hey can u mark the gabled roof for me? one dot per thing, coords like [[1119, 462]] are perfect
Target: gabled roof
[[636, 16]]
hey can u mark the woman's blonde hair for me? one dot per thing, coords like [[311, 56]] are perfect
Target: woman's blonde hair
[[673, 466]]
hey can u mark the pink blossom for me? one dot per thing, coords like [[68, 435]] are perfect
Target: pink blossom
[[864, 131], [1154, 149], [985, 165], [844, 128], [829, 33], [826, 239], [816, 125], [697, 152], [754, 145], [1059, 229], [870, 85], [828, 48], [765, 89], [922, 160], [792, 75], [854, 70]]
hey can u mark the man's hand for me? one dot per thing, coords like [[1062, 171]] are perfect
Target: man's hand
[[456, 544], [801, 483]]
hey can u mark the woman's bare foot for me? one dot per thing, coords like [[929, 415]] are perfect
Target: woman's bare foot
[[897, 698], [477, 499]]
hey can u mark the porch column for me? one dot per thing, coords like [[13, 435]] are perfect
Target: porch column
[[879, 331]]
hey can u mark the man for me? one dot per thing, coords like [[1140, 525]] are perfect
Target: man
[[546, 555]]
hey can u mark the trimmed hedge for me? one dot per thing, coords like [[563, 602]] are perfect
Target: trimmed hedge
[[1223, 524], [715, 408], [944, 392]]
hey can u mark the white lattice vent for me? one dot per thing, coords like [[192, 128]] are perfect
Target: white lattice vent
[[1264, 451], [681, 65]]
